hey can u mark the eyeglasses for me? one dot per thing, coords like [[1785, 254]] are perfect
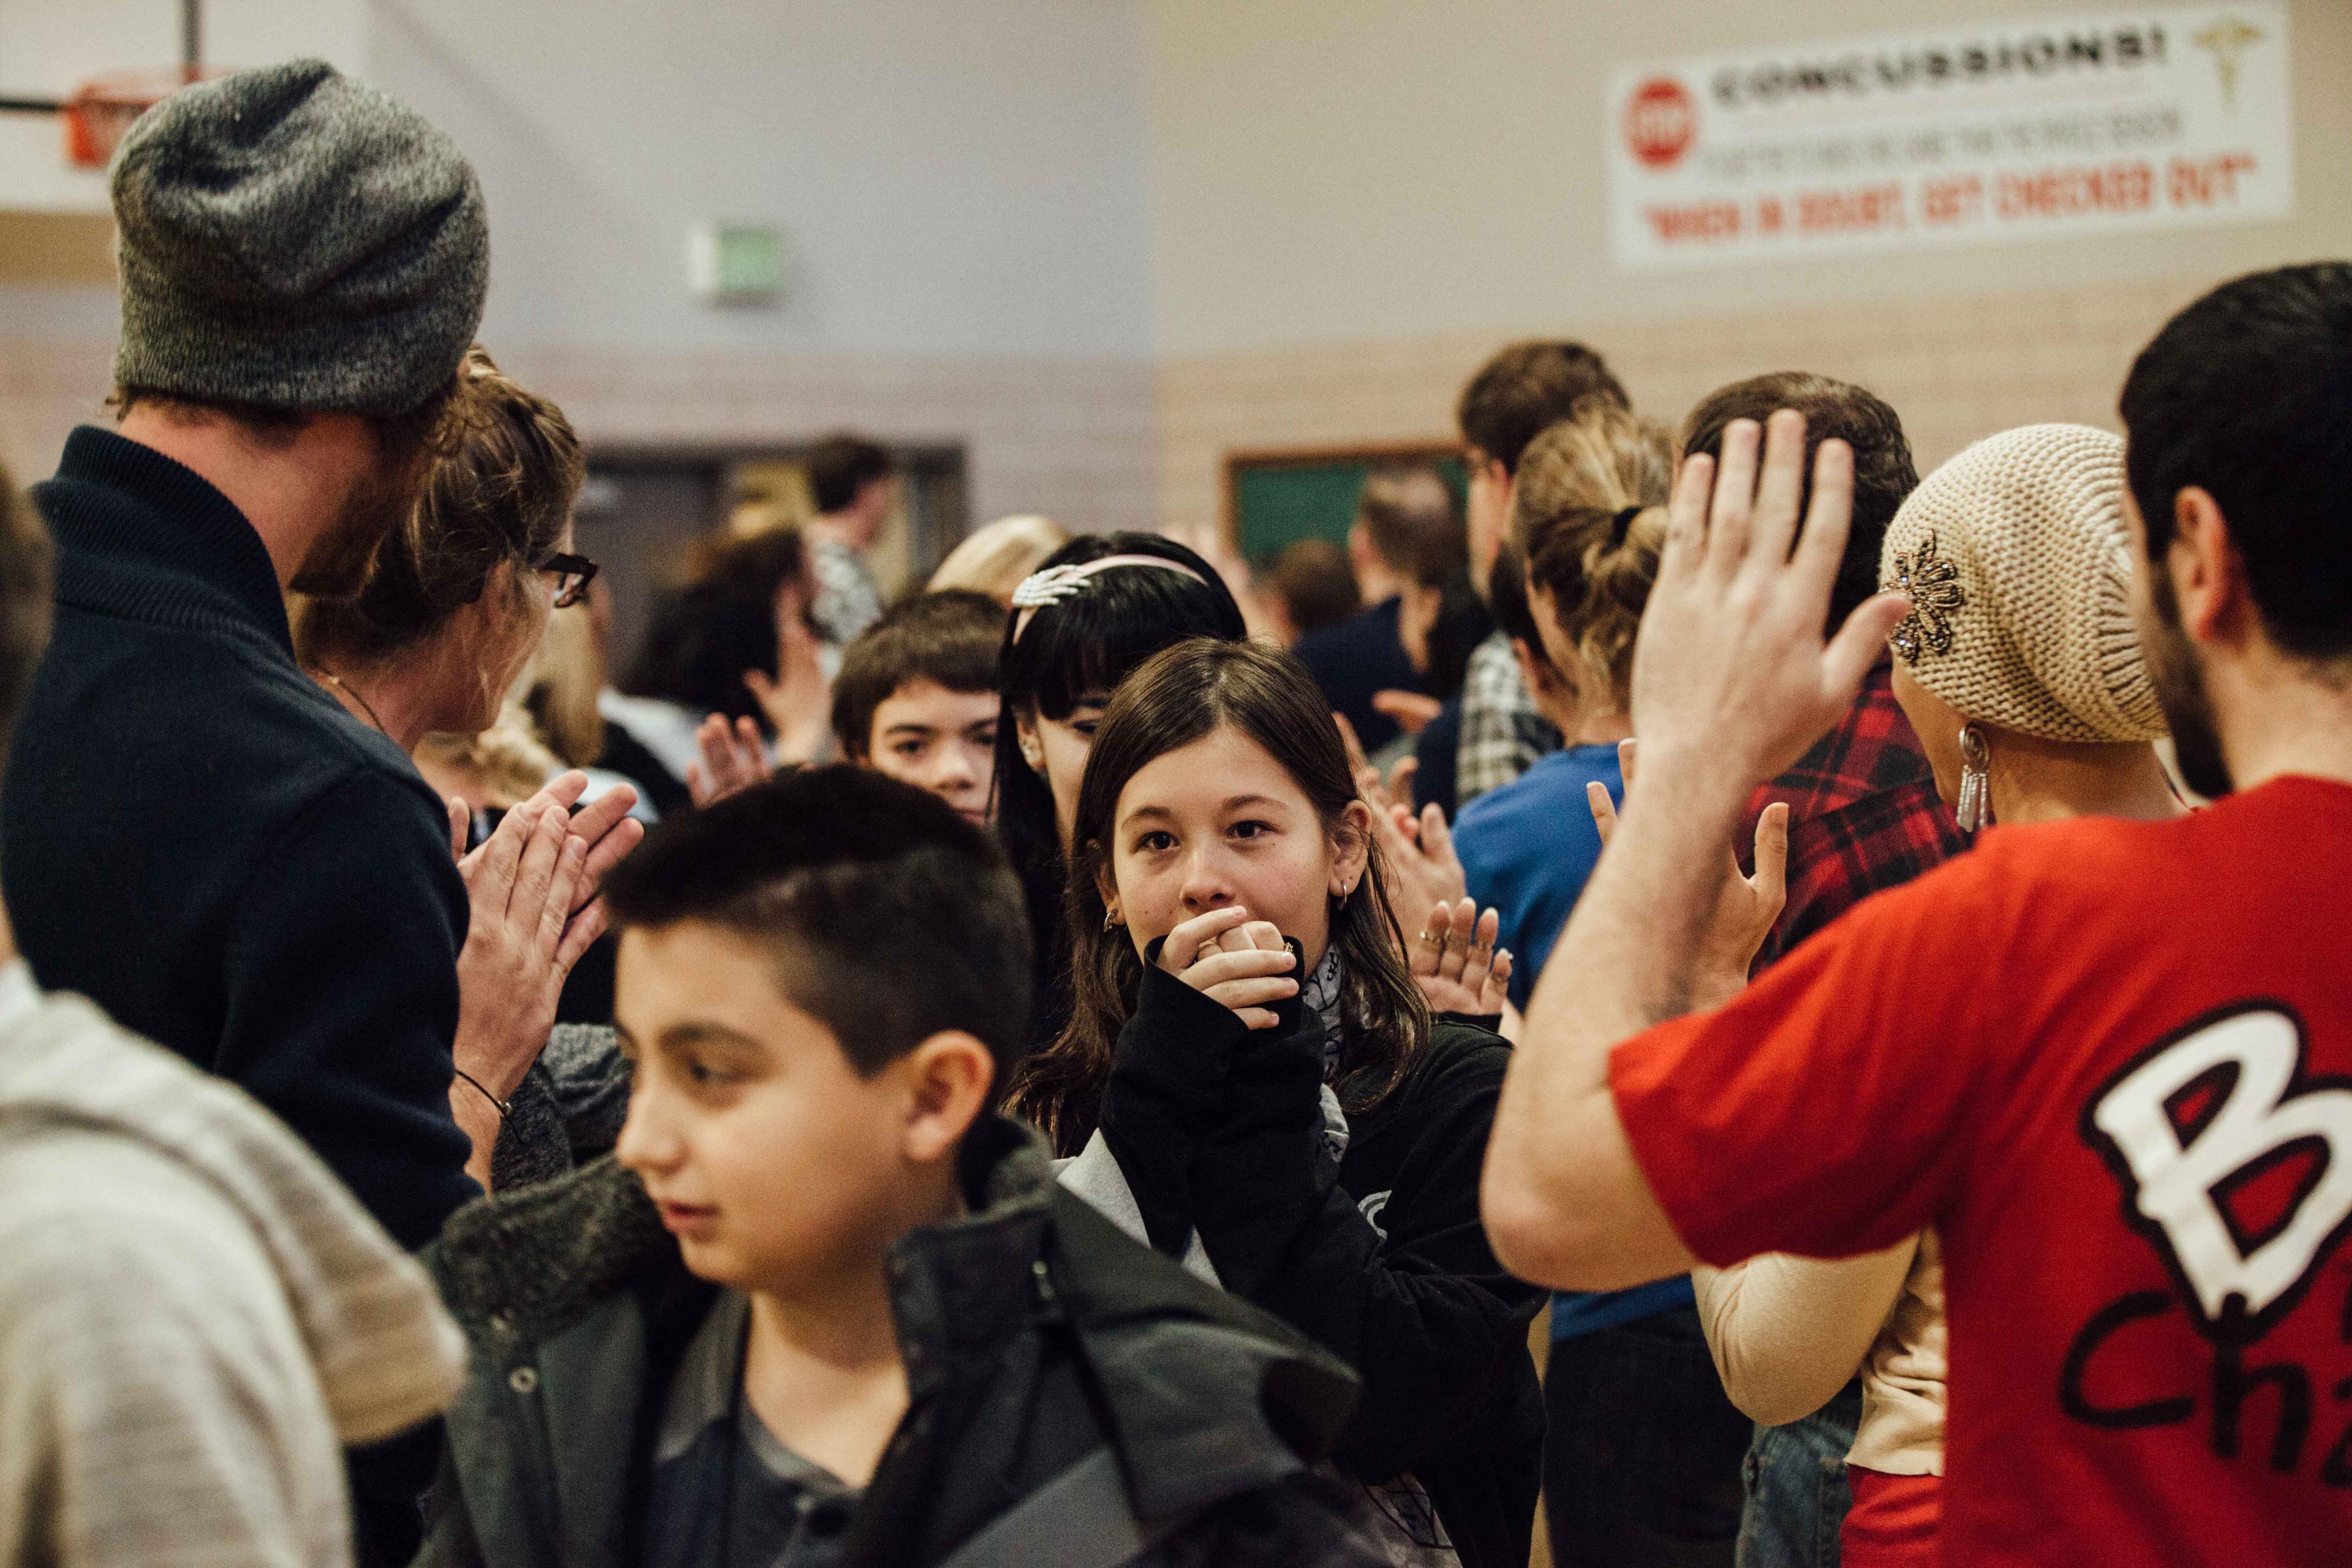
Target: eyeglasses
[[572, 574]]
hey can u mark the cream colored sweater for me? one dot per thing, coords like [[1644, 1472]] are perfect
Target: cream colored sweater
[[1787, 1333], [194, 1316]]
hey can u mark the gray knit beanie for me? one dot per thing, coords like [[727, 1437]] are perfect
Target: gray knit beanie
[[2019, 569], [293, 239]]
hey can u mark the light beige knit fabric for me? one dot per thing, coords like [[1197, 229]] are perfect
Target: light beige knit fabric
[[2020, 570], [195, 1317]]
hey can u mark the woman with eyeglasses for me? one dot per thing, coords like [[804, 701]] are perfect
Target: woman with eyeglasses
[[458, 598], [430, 653]]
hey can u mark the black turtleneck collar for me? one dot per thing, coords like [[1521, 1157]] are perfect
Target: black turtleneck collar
[[141, 534]]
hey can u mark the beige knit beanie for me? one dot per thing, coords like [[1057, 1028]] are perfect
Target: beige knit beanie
[[2019, 569]]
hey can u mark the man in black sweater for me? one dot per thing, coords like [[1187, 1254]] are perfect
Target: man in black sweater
[[195, 834]]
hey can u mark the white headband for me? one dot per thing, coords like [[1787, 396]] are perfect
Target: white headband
[[1056, 583]]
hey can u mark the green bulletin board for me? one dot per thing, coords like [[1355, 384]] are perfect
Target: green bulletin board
[[1276, 497]]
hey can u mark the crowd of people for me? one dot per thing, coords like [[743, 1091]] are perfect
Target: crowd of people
[[1108, 1059]]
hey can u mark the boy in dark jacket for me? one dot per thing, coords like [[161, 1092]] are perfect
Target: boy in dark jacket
[[824, 1307]]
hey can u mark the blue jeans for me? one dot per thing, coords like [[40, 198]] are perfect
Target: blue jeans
[[1642, 1454], [1796, 1494]]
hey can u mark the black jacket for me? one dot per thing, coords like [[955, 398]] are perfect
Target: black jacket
[[199, 839], [1381, 1258], [1075, 1399]]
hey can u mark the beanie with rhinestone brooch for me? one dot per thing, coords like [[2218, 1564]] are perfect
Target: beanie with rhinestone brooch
[[2018, 567]]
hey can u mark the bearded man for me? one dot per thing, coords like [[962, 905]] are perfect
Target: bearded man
[[196, 836]]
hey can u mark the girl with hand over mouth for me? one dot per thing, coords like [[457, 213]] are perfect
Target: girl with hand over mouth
[[1252, 1079]]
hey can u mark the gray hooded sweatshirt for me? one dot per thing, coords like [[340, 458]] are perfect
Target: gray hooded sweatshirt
[[194, 1316]]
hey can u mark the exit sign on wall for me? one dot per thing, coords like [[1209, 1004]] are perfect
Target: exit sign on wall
[[733, 264], [2178, 117]]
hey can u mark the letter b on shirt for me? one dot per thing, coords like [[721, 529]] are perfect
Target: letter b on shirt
[[2178, 1183]]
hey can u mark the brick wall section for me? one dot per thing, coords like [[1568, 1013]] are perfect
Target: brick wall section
[[1955, 369], [1103, 444], [1074, 439]]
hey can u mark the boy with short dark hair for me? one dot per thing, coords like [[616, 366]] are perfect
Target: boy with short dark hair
[[826, 1306], [916, 698]]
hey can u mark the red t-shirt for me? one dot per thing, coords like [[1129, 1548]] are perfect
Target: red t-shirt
[[2111, 1063]]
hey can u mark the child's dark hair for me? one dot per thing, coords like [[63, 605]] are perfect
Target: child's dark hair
[[722, 622], [1178, 696], [948, 638], [1076, 650], [891, 917]]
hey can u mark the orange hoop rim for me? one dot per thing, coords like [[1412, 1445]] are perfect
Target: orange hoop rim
[[100, 111]]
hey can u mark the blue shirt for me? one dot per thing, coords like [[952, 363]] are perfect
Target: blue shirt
[[1528, 849]]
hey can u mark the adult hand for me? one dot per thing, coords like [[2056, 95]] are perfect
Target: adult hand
[[1457, 964], [733, 760], [1732, 680], [1744, 908], [1229, 958], [522, 941], [604, 822], [798, 699], [1411, 710]]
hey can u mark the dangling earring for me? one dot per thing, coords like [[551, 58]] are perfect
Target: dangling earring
[[1975, 808], [1110, 920]]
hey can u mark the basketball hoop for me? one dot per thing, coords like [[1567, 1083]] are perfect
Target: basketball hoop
[[101, 111]]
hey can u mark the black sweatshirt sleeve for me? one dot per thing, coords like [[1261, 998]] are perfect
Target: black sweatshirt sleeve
[[1166, 1087], [342, 974], [1413, 1297]]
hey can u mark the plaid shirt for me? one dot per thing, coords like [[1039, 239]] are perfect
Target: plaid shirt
[[847, 600], [1863, 816], [1502, 733]]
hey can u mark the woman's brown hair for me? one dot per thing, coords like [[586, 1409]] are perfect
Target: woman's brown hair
[[1183, 694], [1588, 513], [499, 491]]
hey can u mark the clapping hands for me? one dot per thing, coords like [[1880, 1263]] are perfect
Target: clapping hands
[[532, 890], [1457, 965], [1418, 846]]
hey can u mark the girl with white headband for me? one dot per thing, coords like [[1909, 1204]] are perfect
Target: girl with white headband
[[1098, 607]]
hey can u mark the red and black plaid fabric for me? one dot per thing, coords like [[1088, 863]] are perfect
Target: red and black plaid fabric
[[1863, 816]]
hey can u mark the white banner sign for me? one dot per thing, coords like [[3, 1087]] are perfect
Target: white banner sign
[[2081, 124]]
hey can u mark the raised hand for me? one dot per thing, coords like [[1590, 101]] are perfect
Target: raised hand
[[798, 700], [1455, 962], [1744, 908], [733, 760], [1229, 958], [1731, 674]]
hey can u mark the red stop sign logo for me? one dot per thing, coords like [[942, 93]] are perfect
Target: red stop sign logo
[[1661, 118]]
